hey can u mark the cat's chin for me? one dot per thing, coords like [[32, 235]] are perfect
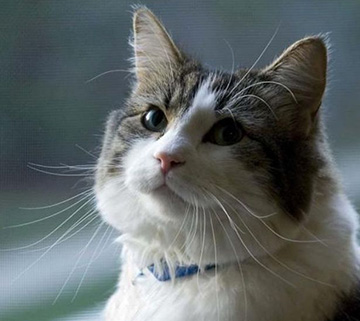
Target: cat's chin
[[165, 190], [165, 194], [177, 196]]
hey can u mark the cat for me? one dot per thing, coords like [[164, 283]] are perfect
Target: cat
[[224, 190]]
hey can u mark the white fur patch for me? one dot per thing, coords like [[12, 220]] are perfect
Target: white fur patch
[[201, 113]]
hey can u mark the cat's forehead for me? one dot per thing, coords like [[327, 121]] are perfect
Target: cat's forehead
[[195, 90]]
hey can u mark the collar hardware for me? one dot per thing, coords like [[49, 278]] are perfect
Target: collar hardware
[[181, 271]]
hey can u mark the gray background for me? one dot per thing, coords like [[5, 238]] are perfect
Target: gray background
[[49, 114]]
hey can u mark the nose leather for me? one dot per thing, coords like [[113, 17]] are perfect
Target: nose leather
[[168, 161]]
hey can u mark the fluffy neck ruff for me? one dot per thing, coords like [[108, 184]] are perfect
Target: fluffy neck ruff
[[330, 227], [301, 281]]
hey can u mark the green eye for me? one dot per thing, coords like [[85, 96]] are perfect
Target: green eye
[[225, 132], [154, 120]]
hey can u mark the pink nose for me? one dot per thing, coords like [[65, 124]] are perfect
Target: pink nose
[[168, 161]]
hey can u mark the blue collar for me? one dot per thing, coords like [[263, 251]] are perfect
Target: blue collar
[[180, 271]]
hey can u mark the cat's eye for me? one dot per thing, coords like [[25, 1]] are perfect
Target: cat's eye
[[154, 120], [225, 132]]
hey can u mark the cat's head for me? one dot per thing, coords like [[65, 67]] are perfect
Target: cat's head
[[196, 156]]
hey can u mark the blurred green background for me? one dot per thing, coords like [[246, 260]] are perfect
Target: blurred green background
[[51, 115]]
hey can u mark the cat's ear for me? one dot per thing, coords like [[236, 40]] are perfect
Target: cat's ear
[[155, 54], [301, 69]]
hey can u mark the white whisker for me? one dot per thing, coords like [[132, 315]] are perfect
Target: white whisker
[[258, 261], [216, 269], [52, 232], [47, 251], [257, 60], [91, 259], [64, 166], [76, 264], [56, 204], [202, 248], [106, 73], [56, 174], [261, 219], [264, 83], [51, 215], [86, 151], [239, 264], [273, 257], [261, 99], [89, 214], [181, 227]]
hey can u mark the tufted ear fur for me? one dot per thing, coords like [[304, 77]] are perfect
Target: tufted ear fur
[[302, 69], [155, 54]]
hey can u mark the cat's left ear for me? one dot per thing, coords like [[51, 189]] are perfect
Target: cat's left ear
[[155, 53], [301, 69]]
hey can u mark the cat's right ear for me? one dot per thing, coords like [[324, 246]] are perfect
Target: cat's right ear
[[155, 54], [301, 69]]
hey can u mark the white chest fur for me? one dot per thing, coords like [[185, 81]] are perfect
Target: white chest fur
[[304, 284]]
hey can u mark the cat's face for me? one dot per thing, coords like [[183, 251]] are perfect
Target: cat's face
[[238, 151]]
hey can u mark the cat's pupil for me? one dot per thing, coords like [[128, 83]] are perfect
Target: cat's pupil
[[230, 133], [155, 117]]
